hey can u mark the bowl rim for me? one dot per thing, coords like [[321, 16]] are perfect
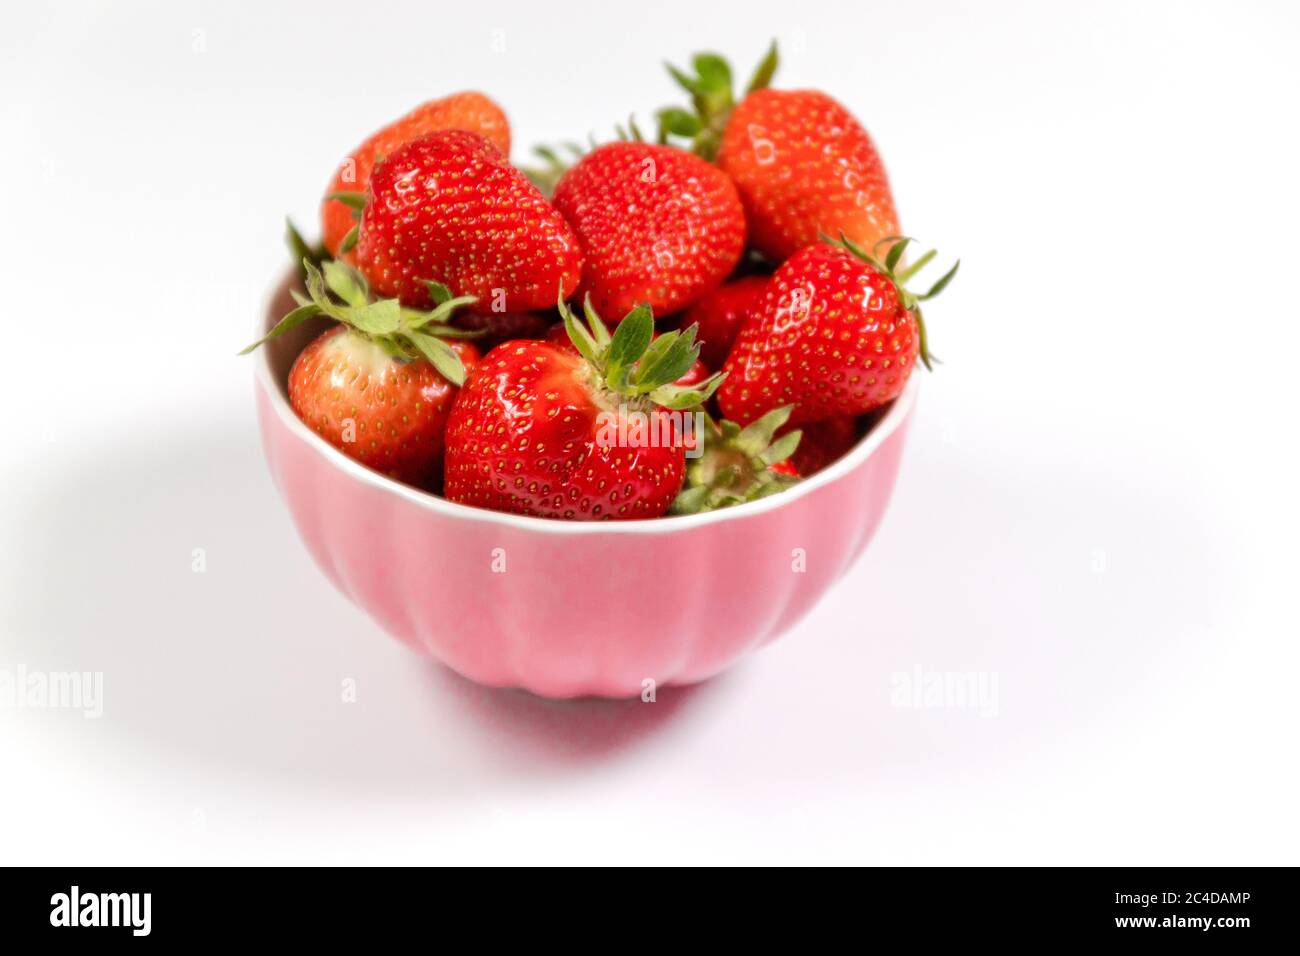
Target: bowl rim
[[894, 417]]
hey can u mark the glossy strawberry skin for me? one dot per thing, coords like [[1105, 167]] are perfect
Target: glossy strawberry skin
[[469, 111], [523, 438], [830, 337], [448, 207], [803, 164], [558, 337], [657, 225], [720, 314], [343, 386]]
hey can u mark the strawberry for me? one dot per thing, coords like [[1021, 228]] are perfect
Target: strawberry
[[822, 443], [550, 431], [802, 163], [388, 413], [558, 336], [837, 334], [469, 111], [657, 225], [720, 314], [447, 207], [380, 385]]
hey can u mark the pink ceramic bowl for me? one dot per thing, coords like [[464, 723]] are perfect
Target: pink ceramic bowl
[[571, 608]]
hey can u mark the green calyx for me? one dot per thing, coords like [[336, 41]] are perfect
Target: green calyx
[[557, 160], [735, 464], [340, 292], [712, 100], [545, 177], [632, 363], [889, 265], [299, 248], [356, 201]]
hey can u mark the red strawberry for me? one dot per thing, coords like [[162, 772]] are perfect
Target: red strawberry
[[380, 386], [824, 442], [720, 314], [837, 334], [803, 165], [448, 207], [388, 413], [469, 111], [657, 225], [558, 336], [536, 428]]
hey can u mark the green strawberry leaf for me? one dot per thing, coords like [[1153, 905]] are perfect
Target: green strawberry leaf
[[345, 282], [691, 500], [353, 200], [762, 77], [677, 397], [380, 318], [896, 253], [438, 292], [652, 357], [599, 330], [758, 434], [629, 342], [583, 340], [439, 314], [942, 283], [294, 319], [298, 246], [902, 277], [675, 121], [688, 83], [668, 358], [440, 356], [782, 448], [714, 74]]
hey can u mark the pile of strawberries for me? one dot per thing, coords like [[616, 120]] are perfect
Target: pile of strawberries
[[496, 340]]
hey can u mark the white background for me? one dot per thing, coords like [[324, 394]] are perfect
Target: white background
[[1097, 507]]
